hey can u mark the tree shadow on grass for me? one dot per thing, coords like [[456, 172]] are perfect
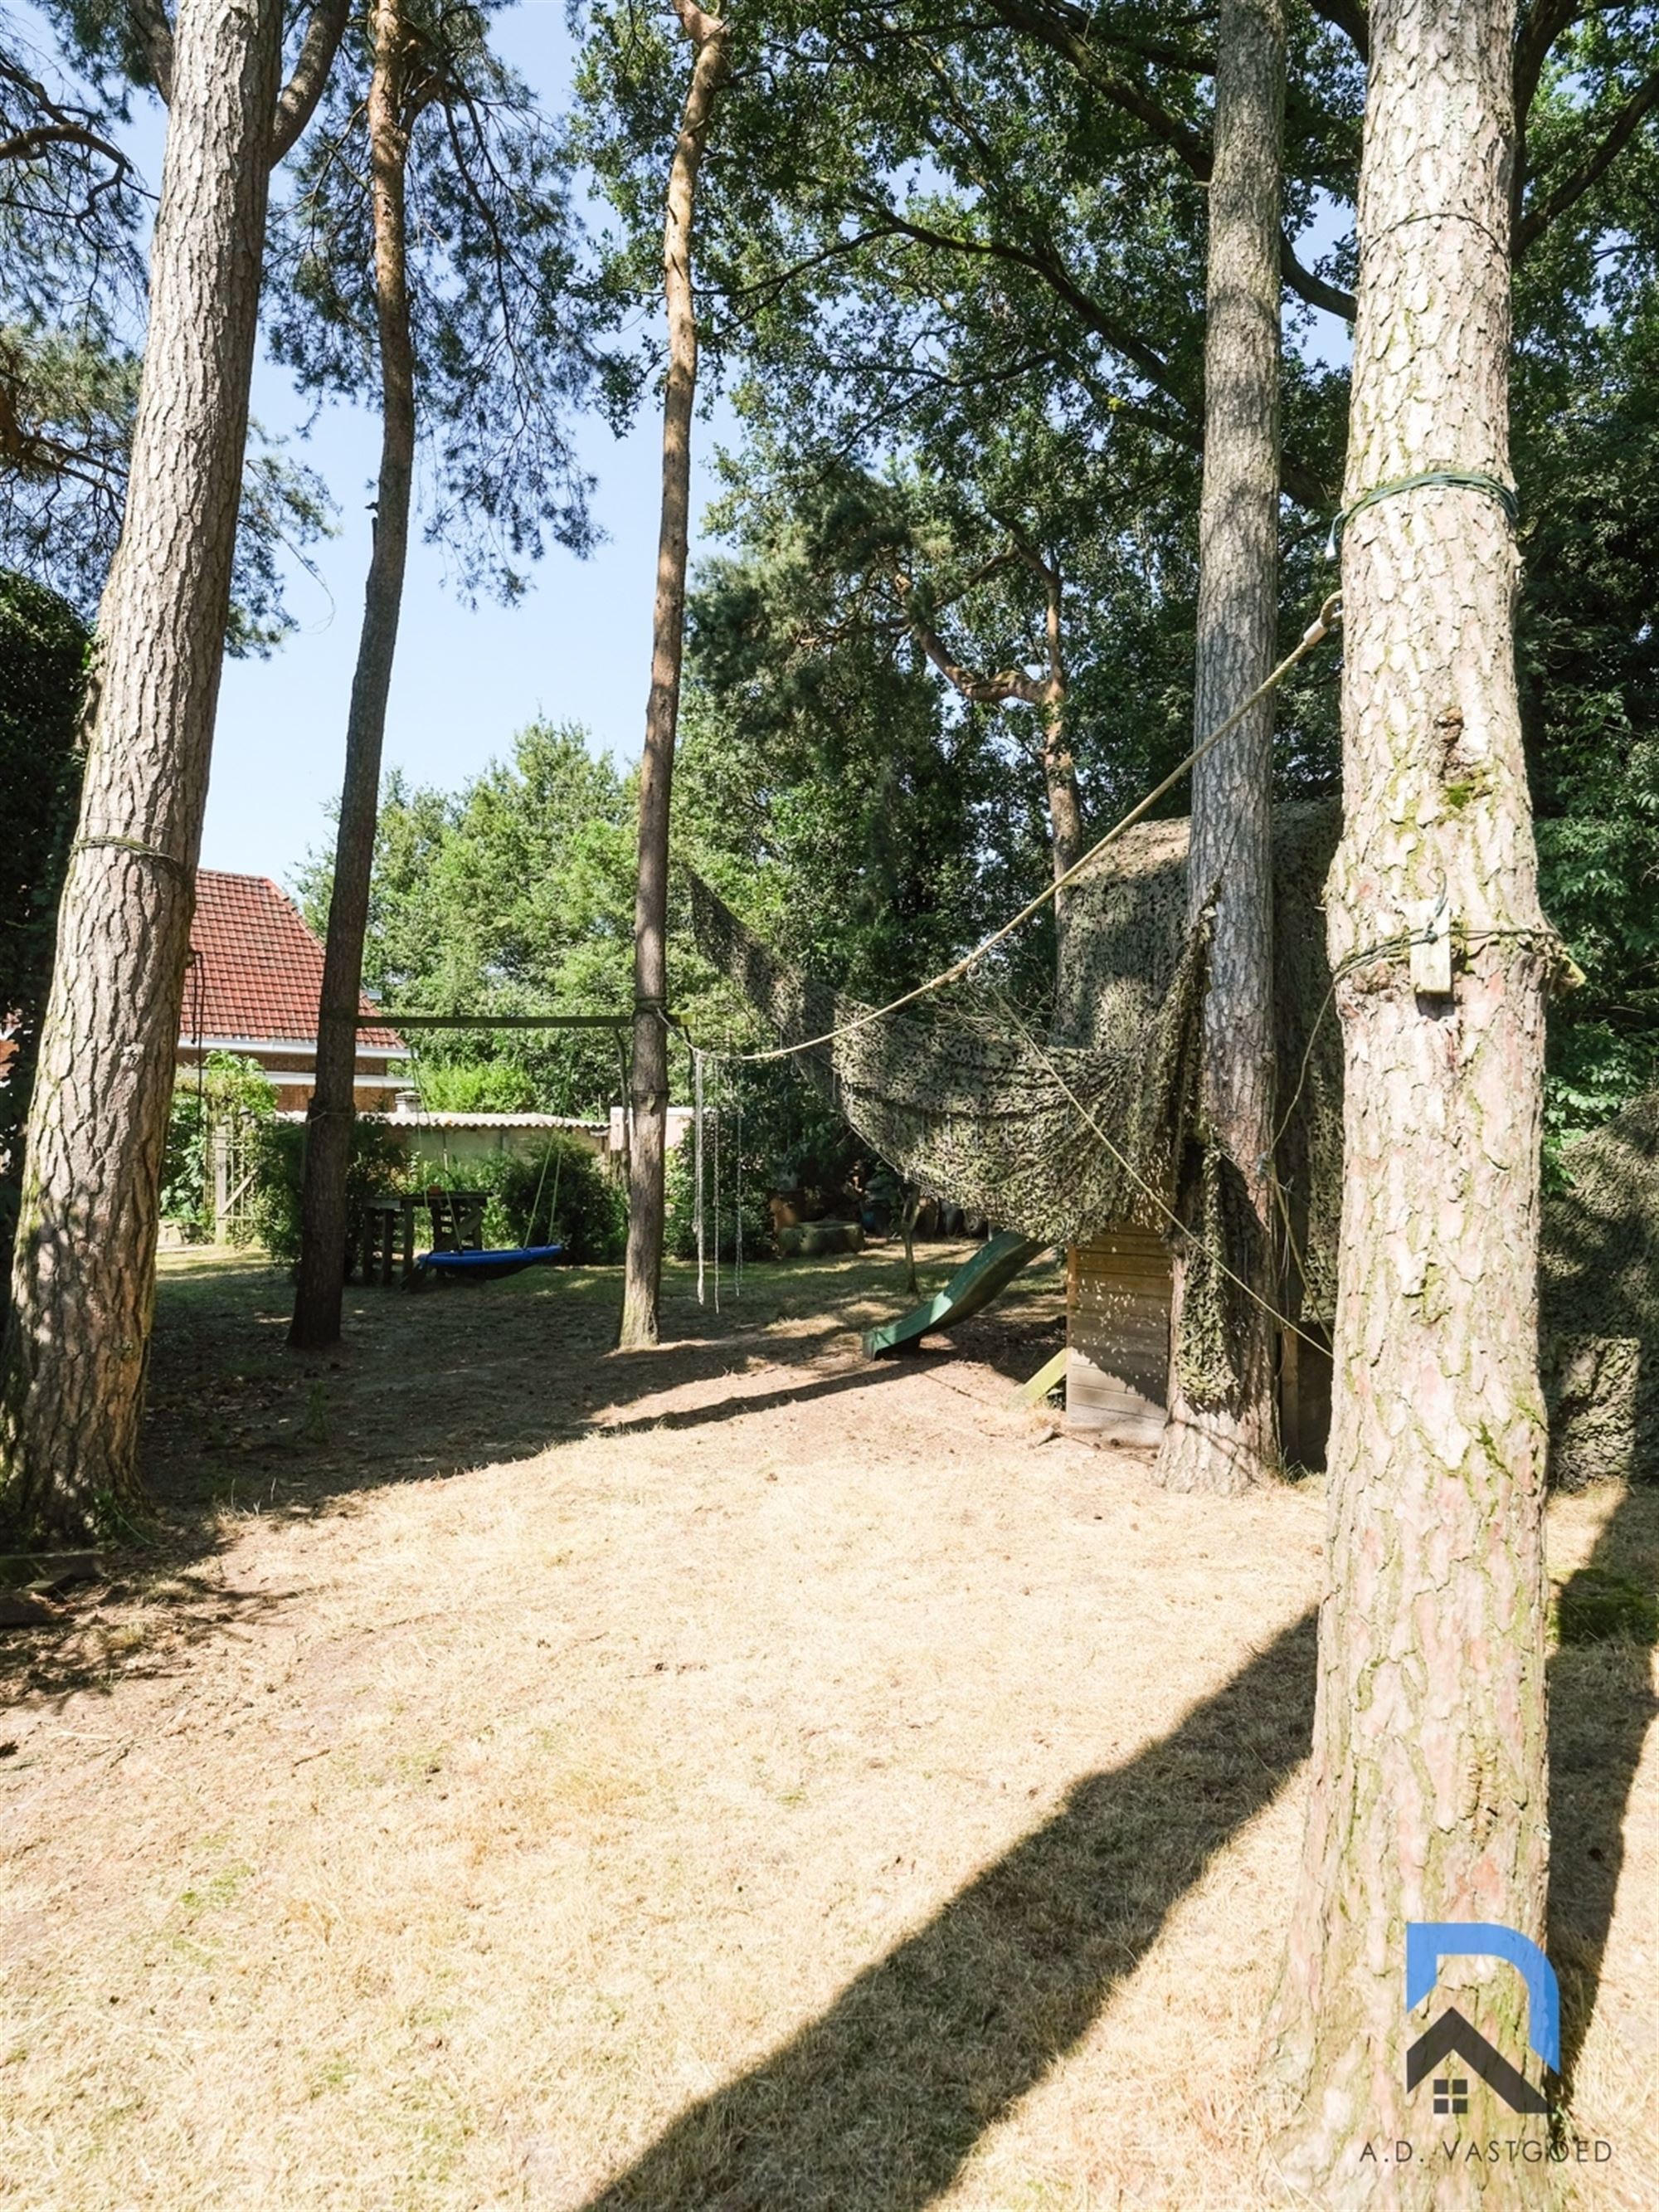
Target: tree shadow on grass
[[1601, 1705], [868, 1376], [499, 1369], [875, 2107], [435, 1386], [424, 1389]]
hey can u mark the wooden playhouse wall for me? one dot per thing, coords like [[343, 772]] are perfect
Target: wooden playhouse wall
[[1117, 1334], [1117, 1338]]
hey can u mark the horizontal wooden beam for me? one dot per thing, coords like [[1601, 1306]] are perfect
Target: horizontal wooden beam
[[388, 1017]]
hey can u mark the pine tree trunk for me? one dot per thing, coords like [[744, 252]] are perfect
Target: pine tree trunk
[[324, 1223], [1065, 808], [1427, 1789], [648, 1086], [72, 1371], [1223, 1437], [1065, 829], [1061, 792]]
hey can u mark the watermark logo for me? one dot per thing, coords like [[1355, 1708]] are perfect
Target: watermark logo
[[1451, 2053], [1452, 2038]]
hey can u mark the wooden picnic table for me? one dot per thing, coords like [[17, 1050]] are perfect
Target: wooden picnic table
[[387, 1240], [457, 1218]]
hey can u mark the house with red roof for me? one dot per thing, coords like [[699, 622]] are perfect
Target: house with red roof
[[253, 987]]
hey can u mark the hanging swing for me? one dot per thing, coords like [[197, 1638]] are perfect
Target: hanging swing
[[483, 1266], [451, 1259], [487, 1267]]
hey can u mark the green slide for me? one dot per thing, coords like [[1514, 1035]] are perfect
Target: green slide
[[984, 1277]]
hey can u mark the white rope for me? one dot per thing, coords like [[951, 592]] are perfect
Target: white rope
[[697, 1159], [717, 1186]]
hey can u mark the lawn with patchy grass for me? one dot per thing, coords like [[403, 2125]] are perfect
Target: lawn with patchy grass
[[519, 1773]]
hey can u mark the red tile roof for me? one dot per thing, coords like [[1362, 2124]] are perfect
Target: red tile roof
[[256, 970]]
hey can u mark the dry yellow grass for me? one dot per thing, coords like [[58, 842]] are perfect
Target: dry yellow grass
[[773, 1784]]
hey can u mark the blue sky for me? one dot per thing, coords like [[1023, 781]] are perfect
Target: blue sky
[[577, 647]]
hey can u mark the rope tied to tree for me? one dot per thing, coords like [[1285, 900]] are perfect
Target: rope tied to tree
[[139, 851], [1456, 479]]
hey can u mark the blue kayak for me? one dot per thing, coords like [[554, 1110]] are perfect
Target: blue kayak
[[488, 1267]]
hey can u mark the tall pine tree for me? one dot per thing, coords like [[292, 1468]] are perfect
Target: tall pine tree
[[1427, 1798]]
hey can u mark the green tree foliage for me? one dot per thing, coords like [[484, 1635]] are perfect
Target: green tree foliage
[[1586, 405], [43, 653], [859, 825], [820, 633], [63, 480], [504, 324], [72, 305], [914, 223], [958, 297], [830, 803], [71, 293], [956, 270], [512, 896]]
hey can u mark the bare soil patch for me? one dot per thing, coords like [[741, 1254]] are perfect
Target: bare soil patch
[[522, 1774]]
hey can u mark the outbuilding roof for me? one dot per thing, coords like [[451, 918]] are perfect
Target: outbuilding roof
[[419, 1119], [256, 969]]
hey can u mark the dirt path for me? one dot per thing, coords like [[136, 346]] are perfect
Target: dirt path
[[733, 1775]]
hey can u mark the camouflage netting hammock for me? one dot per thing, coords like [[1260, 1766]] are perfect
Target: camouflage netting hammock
[[960, 1096], [1062, 1139], [952, 1096]]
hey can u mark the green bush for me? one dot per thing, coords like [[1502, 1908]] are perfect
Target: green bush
[[491, 1086], [378, 1168], [187, 1187]]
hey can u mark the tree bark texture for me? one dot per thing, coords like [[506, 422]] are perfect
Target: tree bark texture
[[72, 1371], [648, 1080], [1059, 769], [324, 1223], [1065, 843], [297, 102], [1223, 1439], [1427, 1790]]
